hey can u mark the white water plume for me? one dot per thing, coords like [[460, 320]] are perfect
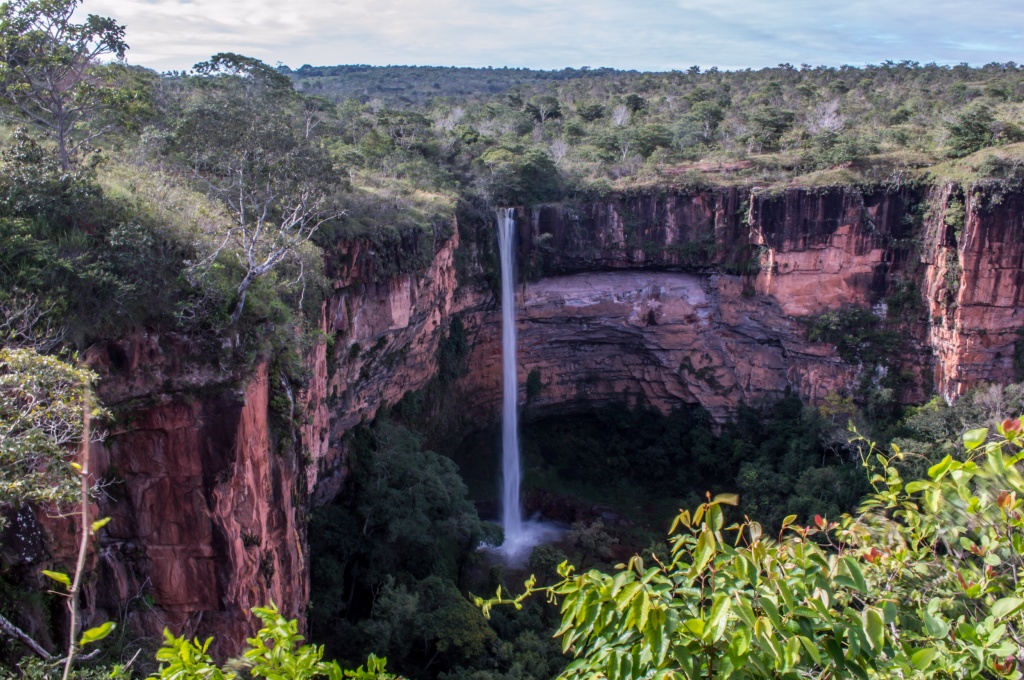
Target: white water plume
[[520, 536]]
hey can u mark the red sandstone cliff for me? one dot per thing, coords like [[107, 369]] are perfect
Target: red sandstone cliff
[[974, 288], [696, 297], [208, 511]]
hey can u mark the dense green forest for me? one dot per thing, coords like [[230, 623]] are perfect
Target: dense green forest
[[207, 203], [624, 129]]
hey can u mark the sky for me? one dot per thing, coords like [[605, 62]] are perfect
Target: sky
[[645, 35]]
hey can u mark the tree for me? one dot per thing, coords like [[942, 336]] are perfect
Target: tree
[[922, 582], [543, 108], [700, 124], [635, 103], [590, 111], [971, 130], [620, 115], [50, 75], [40, 423], [518, 176], [243, 133], [44, 413], [385, 562], [767, 124]]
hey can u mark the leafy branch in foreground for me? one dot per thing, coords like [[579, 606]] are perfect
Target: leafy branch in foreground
[[40, 422], [45, 410], [923, 581], [275, 653]]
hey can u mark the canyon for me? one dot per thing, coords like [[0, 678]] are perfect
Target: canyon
[[679, 296]]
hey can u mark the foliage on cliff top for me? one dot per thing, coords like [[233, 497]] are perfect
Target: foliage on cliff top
[[619, 128], [1002, 165]]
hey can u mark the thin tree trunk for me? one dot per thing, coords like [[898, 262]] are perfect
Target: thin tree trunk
[[242, 288], [62, 147], [83, 547], [12, 630]]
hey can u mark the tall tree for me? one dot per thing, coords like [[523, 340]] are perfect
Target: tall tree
[[50, 71], [243, 134]]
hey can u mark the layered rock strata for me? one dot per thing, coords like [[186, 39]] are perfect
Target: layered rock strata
[[699, 297]]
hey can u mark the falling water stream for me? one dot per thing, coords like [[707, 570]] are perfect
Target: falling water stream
[[520, 535], [512, 519]]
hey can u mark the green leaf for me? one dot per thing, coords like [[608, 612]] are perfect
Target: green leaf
[[856, 574], [58, 577], [625, 596], [936, 627], [811, 649], [695, 626], [715, 518], [792, 652], [100, 523], [922, 658], [704, 552], [941, 468], [718, 619], [771, 610], [727, 499], [874, 627], [788, 520], [974, 438], [1007, 607], [96, 634], [919, 485], [834, 650]]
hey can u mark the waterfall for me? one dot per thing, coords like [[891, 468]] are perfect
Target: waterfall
[[512, 519]]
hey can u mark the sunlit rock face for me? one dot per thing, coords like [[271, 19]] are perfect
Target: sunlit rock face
[[205, 509], [701, 298], [706, 297], [675, 338], [208, 504], [973, 285], [683, 297]]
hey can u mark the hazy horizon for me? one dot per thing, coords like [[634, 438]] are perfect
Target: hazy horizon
[[645, 35]]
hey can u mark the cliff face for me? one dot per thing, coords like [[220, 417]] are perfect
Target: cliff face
[[386, 335], [208, 507], [701, 298], [674, 338], [683, 297], [974, 289], [206, 514]]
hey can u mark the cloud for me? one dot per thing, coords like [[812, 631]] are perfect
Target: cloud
[[638, 34]]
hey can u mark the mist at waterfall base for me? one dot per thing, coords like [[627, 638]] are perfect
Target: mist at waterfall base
[[521, 536]]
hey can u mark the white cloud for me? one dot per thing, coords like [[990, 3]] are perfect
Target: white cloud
[[639, 34]]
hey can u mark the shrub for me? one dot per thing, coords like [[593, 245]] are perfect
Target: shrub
[[275, 652], [970, 131], [920, 582]]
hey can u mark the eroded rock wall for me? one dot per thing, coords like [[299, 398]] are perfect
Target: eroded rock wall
[[208, 508], [673, 337], [699, 297], [974, 287], [206, 514]]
